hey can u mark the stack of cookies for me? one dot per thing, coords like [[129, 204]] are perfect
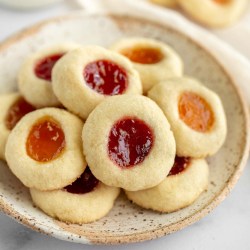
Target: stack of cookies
[[90, 121], [212, 13]]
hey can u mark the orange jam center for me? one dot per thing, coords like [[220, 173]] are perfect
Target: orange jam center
[[19, 109], [222, 1], [46, 140], [195, 112], [143, 55]]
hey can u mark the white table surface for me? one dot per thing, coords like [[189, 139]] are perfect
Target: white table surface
[[227, 227]]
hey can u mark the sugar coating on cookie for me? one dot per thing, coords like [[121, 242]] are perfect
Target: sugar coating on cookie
[[186, 181], [168, 3], [128, 142], [214, 13], [155, 61], [13, 108], [86, 200], [44, 150], [86, 76], [195, 113], [34, 77]]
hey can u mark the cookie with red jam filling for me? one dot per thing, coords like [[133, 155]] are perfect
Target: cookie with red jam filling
[[34, 77], [85, 200], [88, 75], [13, 108], [185, 182], [128, 142]]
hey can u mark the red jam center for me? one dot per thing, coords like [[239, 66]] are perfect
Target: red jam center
[[46, 140], [84, 184], [180, 164], [44, 67], [19, 109], [106, 77], [130, 141], [195, 112], [143, 55]]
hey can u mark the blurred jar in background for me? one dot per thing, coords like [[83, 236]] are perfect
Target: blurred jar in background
[[27, 4]]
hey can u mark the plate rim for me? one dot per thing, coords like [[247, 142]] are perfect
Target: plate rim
[[152, 233]]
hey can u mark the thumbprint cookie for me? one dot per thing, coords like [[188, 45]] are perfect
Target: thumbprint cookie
[[167, 3], [44, 150], [84, 201], [86, 76], [214, 13], [154, 60], [34, 78], [195, 113], [13, 108], [128, 142], [187, 179]]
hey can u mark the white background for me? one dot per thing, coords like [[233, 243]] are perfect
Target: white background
[[227, 227]]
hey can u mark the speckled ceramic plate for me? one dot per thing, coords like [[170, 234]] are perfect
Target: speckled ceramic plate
[[127, 222]]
